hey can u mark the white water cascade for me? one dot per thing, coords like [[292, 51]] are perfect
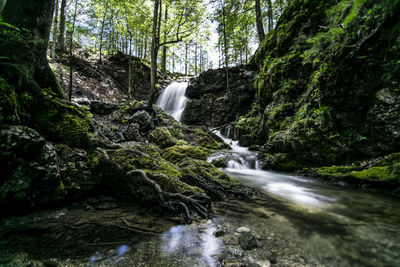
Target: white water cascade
[[173, 99], [244, 166]]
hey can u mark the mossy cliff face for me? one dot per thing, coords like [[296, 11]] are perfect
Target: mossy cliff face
[[328, 85], [212, 103]]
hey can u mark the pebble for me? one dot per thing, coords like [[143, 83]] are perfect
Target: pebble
[[264, 263], [243, 230]]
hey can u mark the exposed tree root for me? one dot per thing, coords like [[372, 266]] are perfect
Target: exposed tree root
[[172, 201]]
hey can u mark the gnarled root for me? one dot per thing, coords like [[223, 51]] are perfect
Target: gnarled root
[[174, 201]]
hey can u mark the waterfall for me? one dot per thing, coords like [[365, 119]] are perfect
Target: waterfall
[[173, 99]]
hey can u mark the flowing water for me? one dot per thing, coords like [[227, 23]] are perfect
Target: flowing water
[[300, 222], [323, 224], [173, 99], [361, 228]]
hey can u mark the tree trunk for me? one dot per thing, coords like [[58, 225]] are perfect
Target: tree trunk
[[130, 65], [154, 53], [53, 47], [270, 16], [164, 51], [186, 58], [27, 15], [260, 27], [173, 60], [225, 48], [101, 33], [71, 48], [195, 60], [61, 34]]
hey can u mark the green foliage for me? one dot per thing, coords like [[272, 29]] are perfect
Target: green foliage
[[353, 11]]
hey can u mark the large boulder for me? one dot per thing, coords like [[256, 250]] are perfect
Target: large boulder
[[144, 119], [212, 104], [30, 173]]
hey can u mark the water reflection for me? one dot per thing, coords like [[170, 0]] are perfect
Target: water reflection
[[109, 259], [193, 241]]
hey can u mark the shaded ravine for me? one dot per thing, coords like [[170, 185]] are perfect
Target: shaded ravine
[[298, 222]]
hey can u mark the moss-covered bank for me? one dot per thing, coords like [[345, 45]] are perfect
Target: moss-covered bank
[[328, 86]]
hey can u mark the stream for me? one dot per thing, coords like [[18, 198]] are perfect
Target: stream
[[330, 225]]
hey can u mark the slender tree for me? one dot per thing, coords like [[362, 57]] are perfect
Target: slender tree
[[61, 34], [71, 48], [54, 35], [225, 46], [154, 52], [260, 27], [164, 52]]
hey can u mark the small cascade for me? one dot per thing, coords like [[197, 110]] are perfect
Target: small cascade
[[173, 99], [243, 165], [241, 158]]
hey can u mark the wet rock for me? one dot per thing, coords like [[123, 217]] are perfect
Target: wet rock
[[106, 206], [132, 132], [231, 239], [116, 116], [210, 101], [144, 119], [74, 170], [220, 232], [384, 117], [220, 161], [162, 137], [30, 169], [102, 108], [263, 263], [246, 140], [243, 230], [50, 263], [248, 241], [21, 140]]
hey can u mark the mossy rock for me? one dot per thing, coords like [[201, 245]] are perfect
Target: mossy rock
[[9, 103], [389, 173], [147, 158], [280, 162], [179, 152], [207, 172], [162, 137], [207, 140], [73, 130]]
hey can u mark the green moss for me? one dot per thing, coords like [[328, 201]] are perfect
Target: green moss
[[138, 156], [285, 162], [162, 137], [374, 174], [74, 130], [205, 139], [207, 172], [179, 152], [388, 173]]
